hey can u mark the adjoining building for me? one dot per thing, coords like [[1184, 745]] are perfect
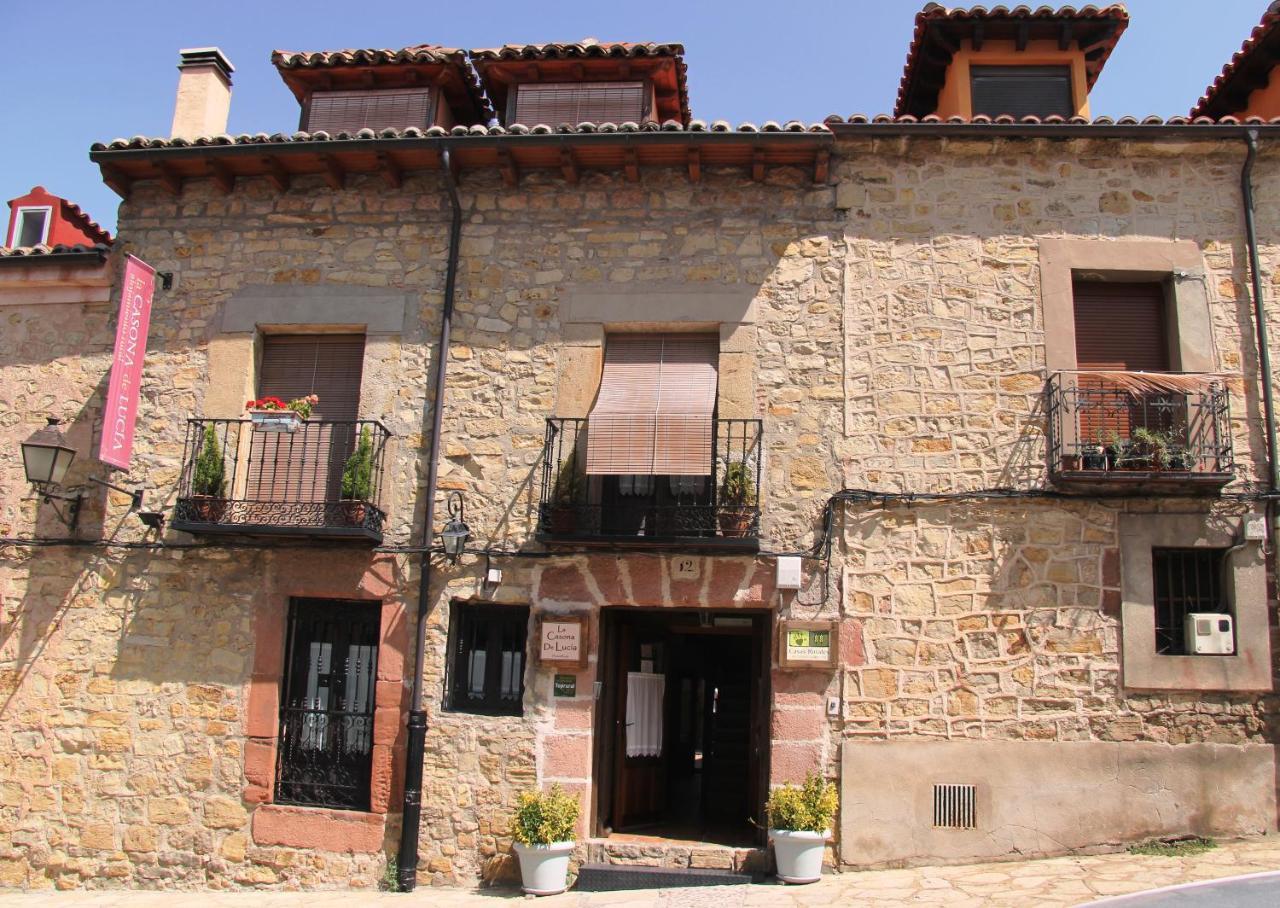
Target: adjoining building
[[912, 450]]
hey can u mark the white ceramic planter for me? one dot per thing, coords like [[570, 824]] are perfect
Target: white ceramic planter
[[798, 854], [275, 420], [544, 869]]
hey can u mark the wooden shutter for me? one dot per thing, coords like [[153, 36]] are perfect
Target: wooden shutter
[[1021, 91], [306, 465], [349, 111], [1120, 327], [653, 414], [553, 103]]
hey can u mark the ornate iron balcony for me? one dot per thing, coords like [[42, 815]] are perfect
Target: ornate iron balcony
[[322, 479], [718, 509], [1139, 431]]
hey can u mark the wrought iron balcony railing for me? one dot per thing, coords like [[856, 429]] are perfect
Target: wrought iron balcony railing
[[720, 508], [322, 479], [1162, 431]]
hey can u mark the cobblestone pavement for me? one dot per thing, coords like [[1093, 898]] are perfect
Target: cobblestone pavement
[[1053, 882]]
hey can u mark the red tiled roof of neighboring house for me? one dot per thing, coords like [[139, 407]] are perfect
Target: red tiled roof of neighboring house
[[587, 49], [44, 253], [934, 41], [418, 53], [77, 215], [1248, 69]]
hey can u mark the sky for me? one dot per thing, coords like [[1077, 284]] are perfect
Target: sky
[[91, 72]]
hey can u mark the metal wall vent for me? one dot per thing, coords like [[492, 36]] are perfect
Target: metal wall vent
[[955, 806]]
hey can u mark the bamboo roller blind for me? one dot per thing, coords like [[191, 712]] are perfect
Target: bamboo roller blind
[[553, 103], [653, 415], [349, 111]]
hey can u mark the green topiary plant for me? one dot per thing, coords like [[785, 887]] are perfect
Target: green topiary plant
[[210, 477], [357, 473], [737, 488], [807, 808], [544, 817], [568, 482]]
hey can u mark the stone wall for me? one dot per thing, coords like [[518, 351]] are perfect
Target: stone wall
[[897, 343]]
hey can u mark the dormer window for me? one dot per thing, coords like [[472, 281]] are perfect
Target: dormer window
[[1021, 91], [351, 111], [31, 226]]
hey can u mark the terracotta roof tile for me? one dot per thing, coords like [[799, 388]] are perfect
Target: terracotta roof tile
[[418, 53], [935, 14], [49, 253], [81, 219], [1101, 122], [1216, 101]]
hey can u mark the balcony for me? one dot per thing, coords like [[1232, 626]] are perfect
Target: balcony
[[1139, 432], [720, 510], [322, 480]]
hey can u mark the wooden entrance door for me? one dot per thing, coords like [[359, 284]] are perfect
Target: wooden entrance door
[[639, 791]]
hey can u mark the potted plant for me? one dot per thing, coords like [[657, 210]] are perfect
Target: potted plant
[[357, 479], [543, 831], [271, 414], [1093, 457], [561, 512], [1180, 459], [737, 497], [1147, 449], [209, 480], [799, 825]]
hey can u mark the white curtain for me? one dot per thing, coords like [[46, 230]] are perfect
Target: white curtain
[[644, 714]]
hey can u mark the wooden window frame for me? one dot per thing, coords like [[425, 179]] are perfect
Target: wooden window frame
[[462, 614]]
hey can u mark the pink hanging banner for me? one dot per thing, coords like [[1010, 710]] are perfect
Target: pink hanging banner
[[116, 447]]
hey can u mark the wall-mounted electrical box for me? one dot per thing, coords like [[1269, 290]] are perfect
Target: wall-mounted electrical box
[[1209, 634], [1255, 529], [788, 577]]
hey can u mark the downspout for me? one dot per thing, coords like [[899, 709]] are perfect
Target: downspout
[[407, 860], [1260, 316]]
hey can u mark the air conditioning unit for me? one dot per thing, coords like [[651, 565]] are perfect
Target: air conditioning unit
[[1209, 634]]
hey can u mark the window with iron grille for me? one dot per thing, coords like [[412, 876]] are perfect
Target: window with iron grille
[[326, 712], [1186, 581], [1021, 91], [487, 659], [553, 103]]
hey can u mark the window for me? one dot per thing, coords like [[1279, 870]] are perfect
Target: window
[[31, 227], [326, 712], [553, 103], [487, 658], [351, 111], [1021, 91], [1186, 581]]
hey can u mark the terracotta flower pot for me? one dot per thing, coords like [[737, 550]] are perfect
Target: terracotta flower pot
[[208, 508], [735, 523]]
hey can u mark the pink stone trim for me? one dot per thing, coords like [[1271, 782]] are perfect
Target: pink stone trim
[[318, 828]]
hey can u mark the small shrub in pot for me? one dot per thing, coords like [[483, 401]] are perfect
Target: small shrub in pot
[[543, 830], [800, 819]]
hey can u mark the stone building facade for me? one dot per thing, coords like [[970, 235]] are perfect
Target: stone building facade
[[890, 306]]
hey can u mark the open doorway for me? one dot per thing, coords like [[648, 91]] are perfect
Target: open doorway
[[683, 738]]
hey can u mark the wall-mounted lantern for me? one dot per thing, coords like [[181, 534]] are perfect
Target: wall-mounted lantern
[[456, 532]]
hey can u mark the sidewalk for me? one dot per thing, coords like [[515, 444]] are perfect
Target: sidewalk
[[1052, 882]]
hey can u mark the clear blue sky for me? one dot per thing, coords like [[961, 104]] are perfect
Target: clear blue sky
[[81, 72]]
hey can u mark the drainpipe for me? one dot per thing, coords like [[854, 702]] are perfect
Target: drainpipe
[[1260, 316], [407, 860]]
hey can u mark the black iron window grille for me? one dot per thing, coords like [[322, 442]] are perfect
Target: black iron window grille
[[325, 757], [487, 659], [719, 508], [1186, 581]]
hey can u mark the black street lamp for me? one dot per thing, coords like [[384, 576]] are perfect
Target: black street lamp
[[455, 532]]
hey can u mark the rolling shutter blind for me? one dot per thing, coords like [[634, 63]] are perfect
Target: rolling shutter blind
[[349, 111], [1120, 327], [553, 103], [306, 465], [653, 415], [1021, 91]]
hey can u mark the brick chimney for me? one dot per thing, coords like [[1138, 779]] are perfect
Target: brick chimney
[[204, 93]]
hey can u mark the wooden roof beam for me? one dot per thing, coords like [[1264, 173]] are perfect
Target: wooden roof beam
[[568, 166], [632, 165], [695, 164], [979, 32], [333, 173], [391, 171], [222, 176], [757, 164], [1064, 35], [507, 166], [117, 181], [821, 166], [170, 179], [1022, 36], [276, 175], [946, 39]]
